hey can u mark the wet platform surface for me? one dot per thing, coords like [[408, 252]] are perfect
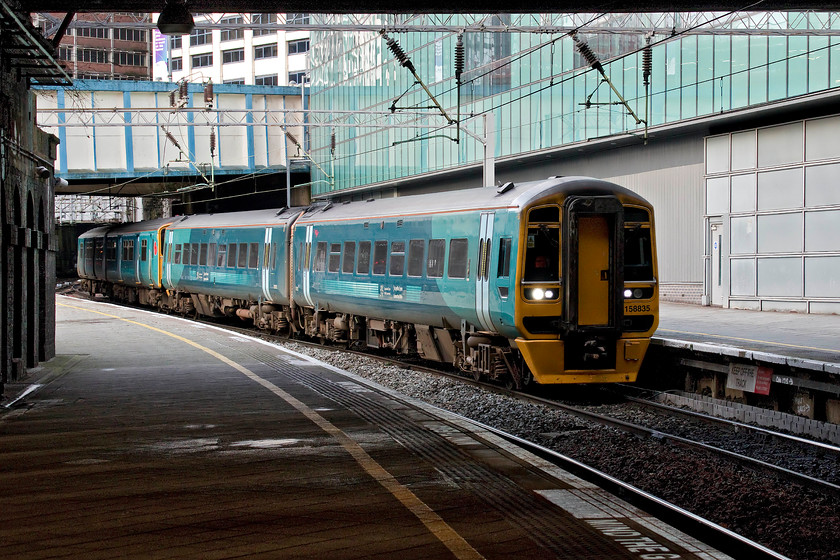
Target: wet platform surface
[[798, 336], [152, 437]]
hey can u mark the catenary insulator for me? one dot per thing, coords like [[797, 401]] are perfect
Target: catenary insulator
[[171, 98], [212, 142], [399, 53], [459, 58], [332, 143], [647, 64], [182, 90]]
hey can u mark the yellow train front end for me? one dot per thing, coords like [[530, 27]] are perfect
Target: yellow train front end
[[587, 298]]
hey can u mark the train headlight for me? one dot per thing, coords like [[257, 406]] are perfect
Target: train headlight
[[637, 293], [628, 293], [537, 294], [549, 294]]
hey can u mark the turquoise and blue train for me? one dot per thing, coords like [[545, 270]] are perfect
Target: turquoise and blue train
[[552, 281]]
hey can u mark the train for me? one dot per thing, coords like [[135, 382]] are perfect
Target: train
[[551, 281]]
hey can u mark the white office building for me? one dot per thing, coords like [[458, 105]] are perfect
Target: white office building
[[248, 49]]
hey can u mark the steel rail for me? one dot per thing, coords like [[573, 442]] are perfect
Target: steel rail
[[702, 529]]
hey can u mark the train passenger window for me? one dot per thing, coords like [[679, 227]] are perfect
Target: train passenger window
[[211, 254], [89, 249], [242, 256], [484, 248], [542, 255], [397, 258], [253, 255], [231, 255], [638, 262], [335, 257], [363, 264], [300, 255], [380, 255], [128, 249], [320, 257], [221, 256], [505, 245], [416, 250], [177, 253], [111, 250], [437, 254], [144, 248], [194, 249], [349, 257], [202, 254], [458, 258]]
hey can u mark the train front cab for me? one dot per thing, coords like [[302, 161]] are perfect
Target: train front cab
[[588, 297]]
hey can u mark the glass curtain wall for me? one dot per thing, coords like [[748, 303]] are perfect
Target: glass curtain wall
[[539, 90]]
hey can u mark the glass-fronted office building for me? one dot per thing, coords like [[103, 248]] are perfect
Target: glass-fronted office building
[[678, 99]]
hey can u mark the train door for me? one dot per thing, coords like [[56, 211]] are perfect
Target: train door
[[307, 265], [592, 264], [267, 267], [482, 276], [167, 271], [593, 270]]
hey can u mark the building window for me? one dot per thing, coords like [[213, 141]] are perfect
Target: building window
[[266, 80], [91, 55], [233, 55], [231, 34], [263, 19], [265, 51], [236, 82], [128, 34], [176, 64], [94, 32], [65, 53], [297, 18], [201, 37], [200, 60], [299, 47], [175, 42], [129, 58], [297, 78]]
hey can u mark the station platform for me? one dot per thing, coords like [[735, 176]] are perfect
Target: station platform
[[153, 437], [805, 341]]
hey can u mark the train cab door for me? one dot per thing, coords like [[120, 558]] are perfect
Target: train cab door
[[482, 276], [594, 276]]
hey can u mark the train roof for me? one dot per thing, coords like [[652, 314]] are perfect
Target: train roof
[[248, 218], [509, 195], [128, 228]]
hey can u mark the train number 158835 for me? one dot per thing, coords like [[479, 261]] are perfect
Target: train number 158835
[[641, 308]]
